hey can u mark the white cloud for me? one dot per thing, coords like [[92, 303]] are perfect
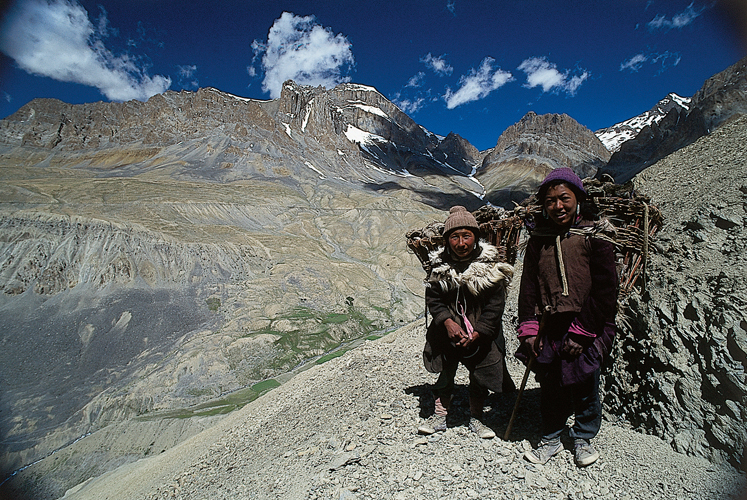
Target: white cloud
[[186, 76], [300, 50], [437, 64], [410, 106], [477, 84], [451, 6], [55, 38], [666, 59], [542, 73], [416, 81], [634, 63], [678, 21], [187, 71]]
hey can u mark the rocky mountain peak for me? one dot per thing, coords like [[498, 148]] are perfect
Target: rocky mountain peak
[[613, 137], [722, 98], [385, 134], [534, 134], [529, 149]]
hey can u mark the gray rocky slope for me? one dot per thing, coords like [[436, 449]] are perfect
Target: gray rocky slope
[[346, 428], [681, 358]]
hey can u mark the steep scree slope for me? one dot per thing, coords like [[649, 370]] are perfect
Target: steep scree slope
[[681, 359]]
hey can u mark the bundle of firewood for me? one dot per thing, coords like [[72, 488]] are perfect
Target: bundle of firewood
[[636, 222], [633, 224]]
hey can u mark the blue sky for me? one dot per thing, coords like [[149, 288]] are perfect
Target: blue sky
[[467, 66]]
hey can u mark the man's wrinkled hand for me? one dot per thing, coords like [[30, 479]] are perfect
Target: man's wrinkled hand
[[530, 345], [454, 331], [571, 347]]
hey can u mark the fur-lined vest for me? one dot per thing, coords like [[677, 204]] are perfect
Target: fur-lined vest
[[476, 287]]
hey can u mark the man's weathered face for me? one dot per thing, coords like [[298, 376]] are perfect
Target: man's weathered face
[[561, 204], [462, 242]]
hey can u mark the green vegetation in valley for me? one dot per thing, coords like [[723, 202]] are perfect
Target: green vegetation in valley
[[226, 404]]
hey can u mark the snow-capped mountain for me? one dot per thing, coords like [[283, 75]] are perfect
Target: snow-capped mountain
[[612, 137]]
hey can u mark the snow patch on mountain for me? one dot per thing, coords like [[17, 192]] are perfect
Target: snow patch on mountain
[[357, 86], [371, 109], [354, 134], [306, 119], [312, 167]]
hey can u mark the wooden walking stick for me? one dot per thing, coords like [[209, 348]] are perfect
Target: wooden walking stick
[[543, 320]]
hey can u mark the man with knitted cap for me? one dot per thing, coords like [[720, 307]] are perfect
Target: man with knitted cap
[[566, 309], [465, 294]]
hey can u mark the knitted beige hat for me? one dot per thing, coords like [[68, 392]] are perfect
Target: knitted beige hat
[[458, 218]]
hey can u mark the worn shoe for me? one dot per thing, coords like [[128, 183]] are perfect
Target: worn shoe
[[544, 451], [585, 453], [480, 429], [434, 423]]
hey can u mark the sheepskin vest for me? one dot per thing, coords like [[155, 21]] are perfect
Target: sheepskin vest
[[484, 271], [477, 285]]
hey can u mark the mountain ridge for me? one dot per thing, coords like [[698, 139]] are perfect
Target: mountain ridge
[[526, 151], [613, 137], [722, 97]]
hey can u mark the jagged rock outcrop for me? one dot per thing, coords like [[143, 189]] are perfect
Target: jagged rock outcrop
[[681, 355], [529, 149], [722, 98]]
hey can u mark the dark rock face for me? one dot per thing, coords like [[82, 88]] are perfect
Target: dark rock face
[[721, 98], [680, 360], [529, 149]]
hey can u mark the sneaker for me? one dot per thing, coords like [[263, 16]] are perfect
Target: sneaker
[[434, 423], [585, 453], [544, 451], [480, 429]]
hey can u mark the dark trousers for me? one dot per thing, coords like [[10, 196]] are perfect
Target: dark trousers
[[444, 386], [558, 402]]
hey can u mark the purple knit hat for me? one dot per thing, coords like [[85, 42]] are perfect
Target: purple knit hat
[[562, 175]]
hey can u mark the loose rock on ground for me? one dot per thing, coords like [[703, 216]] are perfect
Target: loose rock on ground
[[347, 429]]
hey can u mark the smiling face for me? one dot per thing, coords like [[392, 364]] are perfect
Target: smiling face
[[462, 242], [561, 204]]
